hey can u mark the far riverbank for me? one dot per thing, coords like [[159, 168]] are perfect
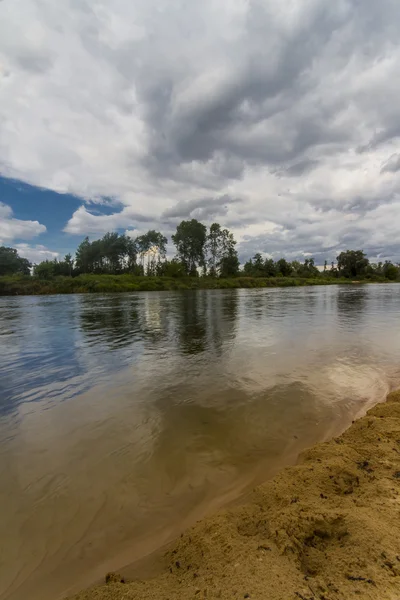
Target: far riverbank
[[11, 286]]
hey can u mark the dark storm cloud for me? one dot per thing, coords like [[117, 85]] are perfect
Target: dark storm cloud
[[227, 122], [262, 83]]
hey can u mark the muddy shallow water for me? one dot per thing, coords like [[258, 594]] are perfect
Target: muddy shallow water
[[124, 418]]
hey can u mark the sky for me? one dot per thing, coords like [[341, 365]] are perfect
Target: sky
[[279, 120]]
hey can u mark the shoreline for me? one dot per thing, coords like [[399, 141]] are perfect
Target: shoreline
[[326, 528], [90, 284]]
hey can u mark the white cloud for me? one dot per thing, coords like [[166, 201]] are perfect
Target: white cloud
[[12, 229], [36, 253], [85, 221], [290, 107]]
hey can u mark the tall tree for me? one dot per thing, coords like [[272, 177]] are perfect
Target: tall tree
[[11, 263], [222, 255], [190, 239], [111, 252], [228, 264], [152, 248], [69, 262], [214, 248], [131, 254], [82, 257], [352, 263], [258, 265]]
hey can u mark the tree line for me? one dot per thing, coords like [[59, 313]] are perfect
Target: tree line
[[199, 252], [351, 264]]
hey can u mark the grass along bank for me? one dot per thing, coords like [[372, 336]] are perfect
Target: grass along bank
[[327, 529], [89, 283]]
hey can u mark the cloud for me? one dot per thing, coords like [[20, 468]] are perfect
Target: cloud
[[13, 229], [86, 222], [392, 165], [281, 120], [298, 168], [36, 254], [204, 208]]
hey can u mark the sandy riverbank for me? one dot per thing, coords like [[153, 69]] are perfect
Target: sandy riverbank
[[326, 529]]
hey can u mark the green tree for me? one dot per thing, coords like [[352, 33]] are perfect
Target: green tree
[[44, 270], [269, 267], [229, 264], [296, 267], [153, 247], [62, 267], [220, 245], [113, 253], [171, 268], [12, 264], [83, 259], [283, 267], [190, 239], [69, 262], [111, 250], [248, 268], [214, 248], [258, 265], [47, 269], [352, 263], [308, 269], [131, 255], [390, 271]]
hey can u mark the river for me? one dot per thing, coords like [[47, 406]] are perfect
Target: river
[[124, 418]]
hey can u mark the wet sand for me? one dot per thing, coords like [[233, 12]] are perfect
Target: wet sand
[[328, 528]]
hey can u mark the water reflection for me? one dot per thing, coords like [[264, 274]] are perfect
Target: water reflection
[[112, 318], [154, 324], [189, 323], [351, 304], [205, 321], [192, 322]]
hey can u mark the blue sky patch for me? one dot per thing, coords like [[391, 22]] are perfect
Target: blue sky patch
[[52, 209]]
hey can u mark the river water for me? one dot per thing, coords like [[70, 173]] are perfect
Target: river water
[[124, 418]]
